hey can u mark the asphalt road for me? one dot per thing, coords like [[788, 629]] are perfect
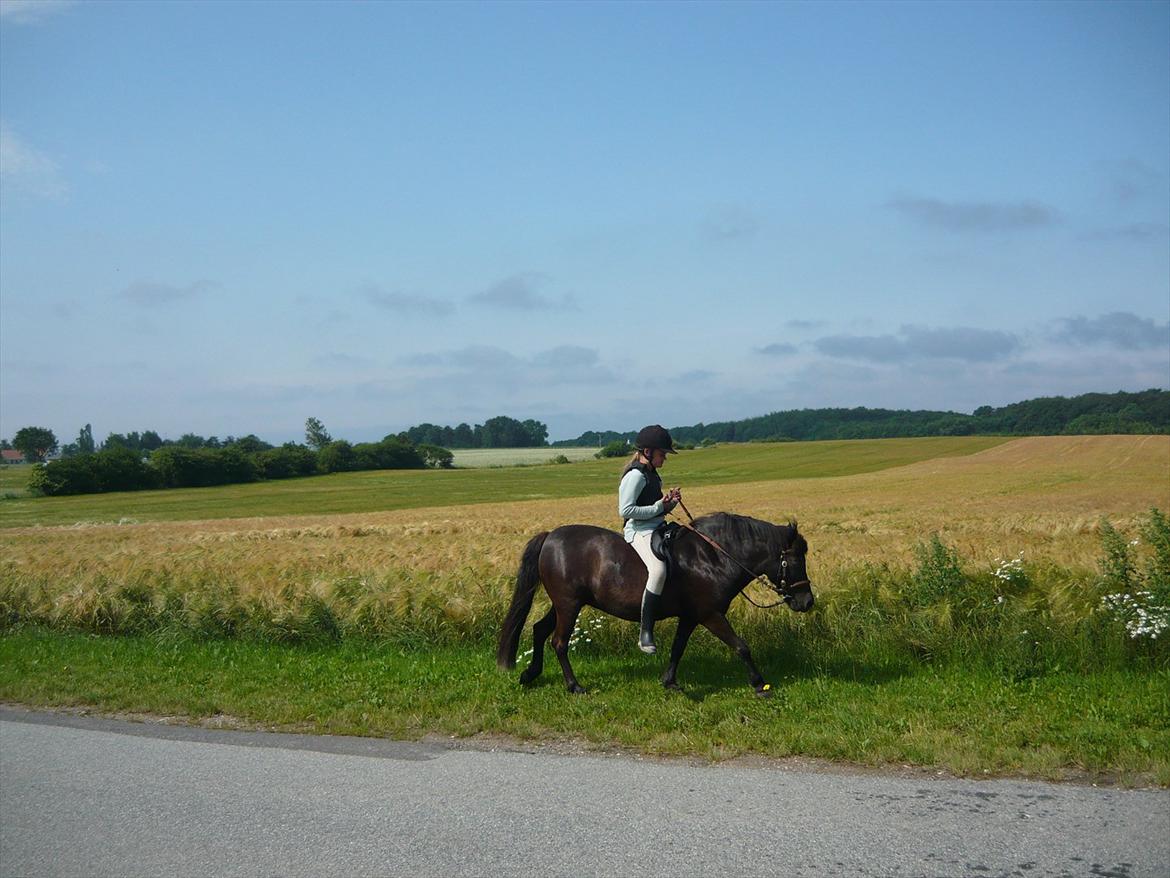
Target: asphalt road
[[92, 797]]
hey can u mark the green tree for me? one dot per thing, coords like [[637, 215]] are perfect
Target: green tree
[[35, 443], [85, 443], [316, 435]]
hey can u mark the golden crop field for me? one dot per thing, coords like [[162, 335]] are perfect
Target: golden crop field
[[1041, 498]]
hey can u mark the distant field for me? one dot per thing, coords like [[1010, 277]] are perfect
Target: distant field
[[477, 457], [384, 490], [14, 478]]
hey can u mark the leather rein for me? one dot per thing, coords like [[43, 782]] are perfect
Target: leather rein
[[783, 589]]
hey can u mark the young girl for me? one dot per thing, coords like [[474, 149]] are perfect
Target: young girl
[[643, 506]]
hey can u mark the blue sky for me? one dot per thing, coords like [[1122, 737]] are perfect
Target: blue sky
[[224, 218]]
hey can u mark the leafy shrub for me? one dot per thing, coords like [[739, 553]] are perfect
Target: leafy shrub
[[390, 453], [286, 462], [939, 574], [1138, 596], [336, 457], [113, 469], [436, 456], [202, 467], [560, 458], [616, 448]]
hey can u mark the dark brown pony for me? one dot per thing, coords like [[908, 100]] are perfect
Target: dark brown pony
[[580, 565]]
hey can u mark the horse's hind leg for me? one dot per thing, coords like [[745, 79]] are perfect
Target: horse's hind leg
[[681, 636], [721, 628], [566, 620], [540, 632]]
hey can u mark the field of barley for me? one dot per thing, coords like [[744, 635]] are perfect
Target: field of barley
[[446, 569]]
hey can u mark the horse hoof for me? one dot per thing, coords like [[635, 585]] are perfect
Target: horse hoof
[[672, 686], [577, 689], [528, 676], [765, 691]]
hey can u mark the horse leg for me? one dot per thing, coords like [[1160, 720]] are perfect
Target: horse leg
[[681, 636], [566, 620], [721, 628], [540, 632]]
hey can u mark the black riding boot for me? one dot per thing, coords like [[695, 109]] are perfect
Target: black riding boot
[[646, 638]]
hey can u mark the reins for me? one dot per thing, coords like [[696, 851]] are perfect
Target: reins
[[754, 576]]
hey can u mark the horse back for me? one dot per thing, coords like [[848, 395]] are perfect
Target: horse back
[[598, 567]]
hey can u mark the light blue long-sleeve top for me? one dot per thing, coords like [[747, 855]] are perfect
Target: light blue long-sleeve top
[[638, 518]]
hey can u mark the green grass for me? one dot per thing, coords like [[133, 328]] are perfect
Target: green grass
[[480, 457], [410, 489], [1112, 724]]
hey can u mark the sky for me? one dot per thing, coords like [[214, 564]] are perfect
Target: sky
[[224, 218]]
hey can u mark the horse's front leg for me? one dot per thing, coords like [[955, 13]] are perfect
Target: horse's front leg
[[540, 632], [566, 620], [721, 628], [681, 636]]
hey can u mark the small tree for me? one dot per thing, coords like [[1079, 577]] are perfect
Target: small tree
[[34, 443], [85, 443], [316, 435]]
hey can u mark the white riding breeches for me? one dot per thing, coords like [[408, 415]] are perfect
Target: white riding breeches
[[655, 566]]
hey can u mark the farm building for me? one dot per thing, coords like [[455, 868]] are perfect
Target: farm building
[[11, 455]]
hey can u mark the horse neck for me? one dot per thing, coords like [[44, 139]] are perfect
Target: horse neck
[[752, 554]]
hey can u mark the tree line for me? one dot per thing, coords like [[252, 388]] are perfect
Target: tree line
[[497, 432], [125, 462], [1092, 413]]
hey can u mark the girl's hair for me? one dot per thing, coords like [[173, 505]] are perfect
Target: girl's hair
[[629, 465]]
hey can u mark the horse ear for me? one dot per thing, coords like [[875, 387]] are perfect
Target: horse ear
[[792, 524]]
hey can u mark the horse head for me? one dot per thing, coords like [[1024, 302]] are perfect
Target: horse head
[[788, 573]]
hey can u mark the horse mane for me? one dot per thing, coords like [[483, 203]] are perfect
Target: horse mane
[[740, 528]]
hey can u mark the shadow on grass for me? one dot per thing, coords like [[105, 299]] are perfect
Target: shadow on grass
[[710, 669]]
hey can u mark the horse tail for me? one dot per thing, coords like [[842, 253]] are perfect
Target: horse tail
[[527, 579]]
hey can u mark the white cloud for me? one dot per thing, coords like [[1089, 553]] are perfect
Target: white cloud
[[30, 11], [28, 169]]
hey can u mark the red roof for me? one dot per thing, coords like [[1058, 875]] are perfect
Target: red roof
[[11, 454]]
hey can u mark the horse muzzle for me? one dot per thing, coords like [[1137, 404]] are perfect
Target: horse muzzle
[[800, 600]]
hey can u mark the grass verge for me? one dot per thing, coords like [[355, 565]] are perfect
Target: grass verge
[[1108, 726]]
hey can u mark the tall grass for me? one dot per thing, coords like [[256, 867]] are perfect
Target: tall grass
[[1022, 619]]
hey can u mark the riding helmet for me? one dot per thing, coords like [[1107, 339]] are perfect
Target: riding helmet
[[655, 436]]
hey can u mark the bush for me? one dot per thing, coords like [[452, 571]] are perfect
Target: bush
[[390, 453], [202, 467], [616, 448], [286, 462], [114, 469], [336, 457], [436, 456]]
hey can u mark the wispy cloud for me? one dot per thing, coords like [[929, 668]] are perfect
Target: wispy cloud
[[564, 364], [1129, 181], [777, 349], [520, 292], [923, 343], [730, 222], [30, 11], [405, 303], [1119, 329], [567, 356], [26, 168], [150, 294], [973, 216], [1131, 232]]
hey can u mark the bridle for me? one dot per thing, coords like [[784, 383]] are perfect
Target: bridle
[[784, 589]]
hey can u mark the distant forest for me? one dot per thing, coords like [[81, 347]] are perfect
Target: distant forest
[[1099, 413]]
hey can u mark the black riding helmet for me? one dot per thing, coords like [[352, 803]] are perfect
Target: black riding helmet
[[655, 436]]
